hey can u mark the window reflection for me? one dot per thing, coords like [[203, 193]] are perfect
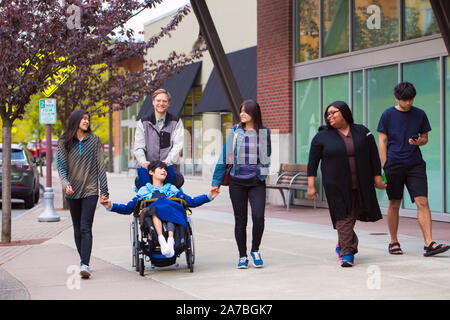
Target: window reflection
[[419, 19], [336, 26], [308, 30], [375, 23]]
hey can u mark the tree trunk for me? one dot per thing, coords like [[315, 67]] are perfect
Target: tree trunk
[[6, 182]]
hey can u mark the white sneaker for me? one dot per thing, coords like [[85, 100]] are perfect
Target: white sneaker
[[85, 272], [171, 244]]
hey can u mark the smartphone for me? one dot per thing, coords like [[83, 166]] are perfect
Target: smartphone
[[414, 137]]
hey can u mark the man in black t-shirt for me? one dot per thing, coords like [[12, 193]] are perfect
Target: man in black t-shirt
[[402, 129]]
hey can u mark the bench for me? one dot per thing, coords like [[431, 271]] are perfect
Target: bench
[[291, 177]]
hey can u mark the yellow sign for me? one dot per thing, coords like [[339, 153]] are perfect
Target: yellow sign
[[59, 77], [56, 79]]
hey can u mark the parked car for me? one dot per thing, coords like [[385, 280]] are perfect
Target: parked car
[[24, 176], [36, 149]]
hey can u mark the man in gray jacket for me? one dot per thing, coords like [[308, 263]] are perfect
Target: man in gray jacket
[[159, 136]]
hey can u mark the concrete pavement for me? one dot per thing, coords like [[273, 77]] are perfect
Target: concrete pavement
[[297, 248]]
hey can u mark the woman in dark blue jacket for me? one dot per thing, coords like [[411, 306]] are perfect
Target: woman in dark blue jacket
[[248, 149], [351, 170]]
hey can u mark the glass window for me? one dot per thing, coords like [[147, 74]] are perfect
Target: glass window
[[428, 99], [447, 135], [227, 123], [419, 19], [125, 114], [334, 88], [198, 146], [187, 146], [125, 148], [307, 118], [375, 23], [335, 22], [357, 97], [380, 96], [187, 108], [307, 46]]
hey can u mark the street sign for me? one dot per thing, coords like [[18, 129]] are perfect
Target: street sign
[[47, 111]]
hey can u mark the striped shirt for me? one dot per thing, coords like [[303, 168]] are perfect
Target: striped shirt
[[83, 167]]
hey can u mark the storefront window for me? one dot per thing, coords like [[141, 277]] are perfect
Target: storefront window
[[307, 47], [192, 148], [357, 97], [380, 96], [334, 88], [428, 99], [375, 23], [227, 123], [419, 19], [336, 27], [447, 135], [307, 117], [125, 148], [187, 146]]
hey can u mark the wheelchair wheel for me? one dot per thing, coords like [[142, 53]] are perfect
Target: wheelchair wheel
[[134, 244], [190, 252], [141, 266]]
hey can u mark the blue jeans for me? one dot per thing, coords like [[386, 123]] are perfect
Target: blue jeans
[[82, 212]]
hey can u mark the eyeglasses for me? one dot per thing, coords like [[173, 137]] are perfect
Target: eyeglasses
[[331, 113]]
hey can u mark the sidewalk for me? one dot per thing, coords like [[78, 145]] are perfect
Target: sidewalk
[[297, 248]]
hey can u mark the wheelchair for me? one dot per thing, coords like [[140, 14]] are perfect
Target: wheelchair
[[144, 240]]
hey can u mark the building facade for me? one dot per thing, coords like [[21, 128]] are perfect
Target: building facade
[[357, 51], [308, 54]]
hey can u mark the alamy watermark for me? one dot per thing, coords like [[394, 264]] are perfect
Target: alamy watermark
[[374, 280], [257, 149], [74, 16], [73, 282]]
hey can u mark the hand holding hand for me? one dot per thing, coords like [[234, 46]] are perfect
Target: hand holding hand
[[105, 202], [214, 192], [69, 190]]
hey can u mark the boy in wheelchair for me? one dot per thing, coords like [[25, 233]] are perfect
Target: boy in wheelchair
[[162, 210]]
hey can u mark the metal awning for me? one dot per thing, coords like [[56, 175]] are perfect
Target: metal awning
[[178, 87], [243, 65]]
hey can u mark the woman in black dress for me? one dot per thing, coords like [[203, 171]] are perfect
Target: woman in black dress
[[351, 170]]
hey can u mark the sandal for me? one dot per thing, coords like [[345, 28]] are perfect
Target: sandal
[[396, 251], [430, 251]]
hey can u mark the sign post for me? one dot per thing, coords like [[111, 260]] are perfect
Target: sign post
[[47, 116]]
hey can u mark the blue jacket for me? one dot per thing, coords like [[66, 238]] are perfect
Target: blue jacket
[[265, 150]]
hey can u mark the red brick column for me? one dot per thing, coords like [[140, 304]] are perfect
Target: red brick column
[[274, 63]]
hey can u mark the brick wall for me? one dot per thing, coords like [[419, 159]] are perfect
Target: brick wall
[[274, 63]]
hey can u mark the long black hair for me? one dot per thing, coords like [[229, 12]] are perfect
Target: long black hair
[[254, 110], [343, 108], [74, 124]]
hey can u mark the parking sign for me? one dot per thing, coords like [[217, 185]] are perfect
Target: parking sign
[[47, 111]]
